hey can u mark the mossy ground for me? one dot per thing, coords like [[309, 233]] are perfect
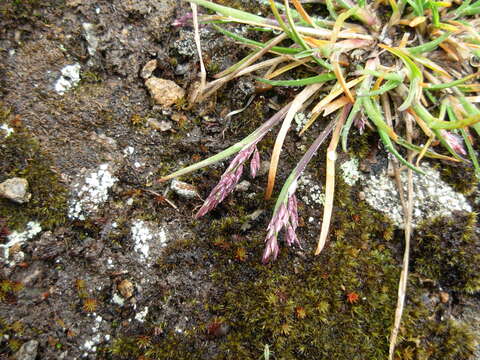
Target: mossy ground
[[22, 157], [305, 307]]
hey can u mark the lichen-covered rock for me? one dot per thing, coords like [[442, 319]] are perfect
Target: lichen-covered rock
[[28, 351], [15, 189], [164, 92]]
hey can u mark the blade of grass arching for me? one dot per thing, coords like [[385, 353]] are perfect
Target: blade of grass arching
[[300, 82], [471, 151], [429, 153], [336, 91], [385, 100], [230, 12], [429, 46], [334, 60], [260, 132], [402, 286], [389, 85], [234, 67], [331, 9], [261, 65], [286, 68], [426, 121], [330, 179], [431, 65], [339, 22], [335, 105], [278, 17], [215, 85], [385, 132], [452, 83], [348, 123], [297, 171], [415, 76], [384, 75], [246, 41], [203, 72], [297, 103], [303, 13], [436, 124], [362, 14], [295, 36]]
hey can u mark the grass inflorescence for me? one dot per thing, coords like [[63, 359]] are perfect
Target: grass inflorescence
[[404, 68]]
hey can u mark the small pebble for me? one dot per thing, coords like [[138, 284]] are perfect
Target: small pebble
[[184, 189], [165, 92], [28, 351], [148, 69], [444, 297], [15, 189], [159, 125], [126, 289], [243, 186]]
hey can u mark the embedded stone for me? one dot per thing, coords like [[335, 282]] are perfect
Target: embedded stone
[[15, 189], [165, 92]]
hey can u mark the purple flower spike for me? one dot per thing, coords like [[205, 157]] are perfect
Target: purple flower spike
[[183, 20], [255, 163], [271, 249], [228, 181], [285, 217], [454, 141], [292, 211]]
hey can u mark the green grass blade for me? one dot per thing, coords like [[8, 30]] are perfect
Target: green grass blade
[[300, 82], [429, 46], [227, 11], [246, 41], [348, 123]]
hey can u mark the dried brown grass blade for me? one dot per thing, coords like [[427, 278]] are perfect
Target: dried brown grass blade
[[297, 103], [330, 181], [402, 286], [303, 13], [338, 73]]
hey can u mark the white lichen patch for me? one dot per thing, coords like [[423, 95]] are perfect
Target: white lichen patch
[[7, 130], [33, 228], [310, 192], [69, 78], [90, 345], [350, 172], [432, 196], [92, 193], [300, 120], [145, 236], [142, 315]]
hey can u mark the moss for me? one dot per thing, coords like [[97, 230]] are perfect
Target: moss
[[449, 340], [448, 250], [23, 157]]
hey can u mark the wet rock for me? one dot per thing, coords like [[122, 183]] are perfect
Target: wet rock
[[47, 247], [159, 125], [91, 38], [184, 189], [15, 189], [243, 186], [264, 168], [164, 92], [182, 69], [28, 351], [444, 297], [126, 288], [148, 69]]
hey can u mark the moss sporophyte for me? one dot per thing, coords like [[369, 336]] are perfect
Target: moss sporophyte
[[362, 71]]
